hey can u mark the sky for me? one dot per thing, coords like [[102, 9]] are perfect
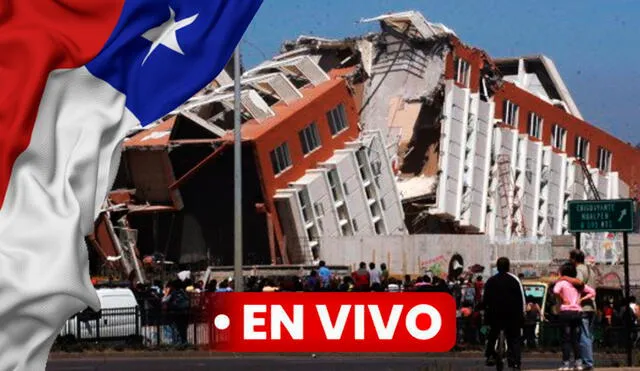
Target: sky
[[595, 44]]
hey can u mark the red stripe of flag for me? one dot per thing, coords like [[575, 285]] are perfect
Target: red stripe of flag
[[37, 37]]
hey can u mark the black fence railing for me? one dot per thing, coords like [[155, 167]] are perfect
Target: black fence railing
[[146, 325], [149, 326], [145, 328], [113, 324], [546, 336]]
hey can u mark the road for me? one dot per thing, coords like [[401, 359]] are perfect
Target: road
[[287, 363]]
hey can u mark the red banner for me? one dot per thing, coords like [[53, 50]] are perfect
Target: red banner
[[332, 322]]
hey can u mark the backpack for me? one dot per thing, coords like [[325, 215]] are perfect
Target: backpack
[[179, 300]]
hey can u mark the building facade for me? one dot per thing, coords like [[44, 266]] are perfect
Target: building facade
[[352, 193]]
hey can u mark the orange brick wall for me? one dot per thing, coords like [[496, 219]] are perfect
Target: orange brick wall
[[626, 158], [287, 130]]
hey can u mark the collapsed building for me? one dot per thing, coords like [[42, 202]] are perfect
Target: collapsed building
[[405, 130], [308, 170], [492, 146]]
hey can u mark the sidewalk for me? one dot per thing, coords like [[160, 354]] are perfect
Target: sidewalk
[[209, 354], [110, 353]]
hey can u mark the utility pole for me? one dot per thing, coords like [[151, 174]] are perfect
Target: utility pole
[[627, 295], [237, 178]]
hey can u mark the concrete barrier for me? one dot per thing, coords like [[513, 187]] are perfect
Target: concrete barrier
[[416, 254]]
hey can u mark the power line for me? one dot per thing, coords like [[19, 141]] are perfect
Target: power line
[[254, 46]]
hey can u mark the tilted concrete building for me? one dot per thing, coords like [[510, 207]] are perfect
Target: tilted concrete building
[[482, 145], [308, 170]]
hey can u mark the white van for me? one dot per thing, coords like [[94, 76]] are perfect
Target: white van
[[119, 317]]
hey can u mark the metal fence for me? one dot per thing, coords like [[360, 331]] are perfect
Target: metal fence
[[146, 325], [547, 336]]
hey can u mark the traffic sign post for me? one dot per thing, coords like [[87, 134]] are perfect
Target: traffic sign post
[[588, 216]]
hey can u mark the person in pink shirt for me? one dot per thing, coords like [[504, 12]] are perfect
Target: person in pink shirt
[[570, 315]]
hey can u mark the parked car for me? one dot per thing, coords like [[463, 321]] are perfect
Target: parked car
[[118, 318]]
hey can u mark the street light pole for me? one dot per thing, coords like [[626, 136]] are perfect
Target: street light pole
[[237, 178]]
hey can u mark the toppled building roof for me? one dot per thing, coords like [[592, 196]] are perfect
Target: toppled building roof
[[538, 75], [411, 23]]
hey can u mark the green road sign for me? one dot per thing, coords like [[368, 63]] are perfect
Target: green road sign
[[601, 216]]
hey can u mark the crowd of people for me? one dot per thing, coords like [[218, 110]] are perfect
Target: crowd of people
[[506, 308], [484, 308]]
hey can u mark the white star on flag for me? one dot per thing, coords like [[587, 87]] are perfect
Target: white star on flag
[[165, 34]]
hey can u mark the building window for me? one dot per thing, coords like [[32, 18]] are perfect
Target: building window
[[510, 113], [362, 161], [582, 148], [280, 158], [303, 197], [604, 160], [310, 138], [319, 207], [462, 71], [559, 137], [337, 118], [334, 183], [535, 125], [378, 227]]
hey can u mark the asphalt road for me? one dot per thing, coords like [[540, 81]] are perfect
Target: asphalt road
[[287, 363]]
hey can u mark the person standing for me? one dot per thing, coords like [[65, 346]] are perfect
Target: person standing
[[178, 304], [584, 277], [504, 305], [312, 283], [384, 275], [571, 316], [224, 287], [361, 278], [325, 275], [375, 277]]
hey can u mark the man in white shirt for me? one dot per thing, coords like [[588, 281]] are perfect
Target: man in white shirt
[[374, 277]]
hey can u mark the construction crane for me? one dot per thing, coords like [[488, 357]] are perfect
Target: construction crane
[[510, 203]]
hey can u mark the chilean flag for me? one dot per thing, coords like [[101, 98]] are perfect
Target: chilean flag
[[75, 77]]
